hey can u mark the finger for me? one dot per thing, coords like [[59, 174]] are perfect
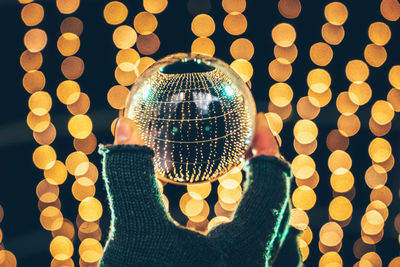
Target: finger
[[264, 142], [127, 132]]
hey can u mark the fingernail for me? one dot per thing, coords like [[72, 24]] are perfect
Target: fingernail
[[123, 131]]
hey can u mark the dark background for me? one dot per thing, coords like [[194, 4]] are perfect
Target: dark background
[[23, 234]]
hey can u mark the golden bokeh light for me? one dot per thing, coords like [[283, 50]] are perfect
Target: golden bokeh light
[[155, 6], [375, 55], [372, 222], [38, 123], [80, 126], [77, 163], [243, 68], [92, 173], [229, 196], [393, 98], [242, 48], [89, 230], [7, 258], [71, 25], [68, 92], [234, 6], [360, 93], [390, 10], [35, 40], [303, 166], [289, 9], [348, 125], [306, 149], [204, 46], [331, 234], [298, 219], [339, 161], [90, 209], [280, 94], [235, 24], [80, 106], [336, 13], [117, 95], [83, 188], [377, 129], [202, 215], [47, 136], [87, 145], [380, 207], [33, 81], [357, 71], [128, 59], [218, 220], [44, 157], [379, 150], [124, 37], [68, 44], [305, 131], [340, 208], [337, 141], [40, 103], [379, 33], [342, 182], [42, 206], [278, 71], [321, 54], [319, 80], [284, 35], [72, 67], [126, 78], [307, 235], [67, 6], [199, 191], [331, 259], [203, 25], [387, 164], [345, 105], [145, 23], [285, 55], [304, 249], [144, 63], [306, 109], [332, 34], [57, 174], [275, 122], [375, 176], [31, 61], [51, 218], [115, 13], [47, 192], [148, 44], [394, 76], [283, 112], [190, 206], [304, 198], [32, 14], [90, 250], [383, 194], [320, 99], [371, 259], [61, 248], [67, 229], [382, 112]]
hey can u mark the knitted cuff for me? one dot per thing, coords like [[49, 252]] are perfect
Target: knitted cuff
[[262, 164], [104, 149]]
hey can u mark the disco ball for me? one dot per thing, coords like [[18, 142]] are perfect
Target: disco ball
[[197, 115]]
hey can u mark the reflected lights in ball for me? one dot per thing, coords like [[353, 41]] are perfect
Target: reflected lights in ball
[[38, 123], [278, 71], [47, 192], [199, 191], [47, 136], [203, 25], [285, 55], [57, 174], [77, 163], [117, 95], [321, 54], [331, 259], [80, 106], [124, 37], [283, 35], [375, 176], [342, 181], [51, 218], [375, 55], [331, 234], [90, 209], [202, 215], [7, 258], [339, 161], [67, 6], [394, 76], [67, 229], [72, 67], [306, 109], [204, 46], [305, 131], [72, 25], [357, 71], [35, 40], [61, 248], [31, 61], [306, 149], [115, 13], [281, 94], [234, 6], [303, 166], [145, 23], [283, 112], [383, 194], [379, 33], [68, 44], [318, 80], [33, 81], [379, 149], [348, 125], [304, 198], [243, 68], [128, 59], [380, 207], [298, 219], [340, 208], [372, 222], [345, 105], [40, 103], [289, 9], [148, 44], [242, 48], [44, 157], [332, 34], [360, 93], [32, 14], [83, 188], [336, 13], [235, 24], [90, 250]]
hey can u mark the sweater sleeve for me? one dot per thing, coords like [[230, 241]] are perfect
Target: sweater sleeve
[[255, 226]]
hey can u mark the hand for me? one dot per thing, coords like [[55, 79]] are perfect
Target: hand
[[127, 133], [264, 142]]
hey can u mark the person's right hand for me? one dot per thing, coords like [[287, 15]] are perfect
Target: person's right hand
[[127, 133]]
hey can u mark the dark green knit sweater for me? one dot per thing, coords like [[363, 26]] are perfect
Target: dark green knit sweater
[[143, 234]]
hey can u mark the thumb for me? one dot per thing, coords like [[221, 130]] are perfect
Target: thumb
[[264, 142], [127, 132]]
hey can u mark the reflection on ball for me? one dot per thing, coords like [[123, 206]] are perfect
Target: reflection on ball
[[197, 115]]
